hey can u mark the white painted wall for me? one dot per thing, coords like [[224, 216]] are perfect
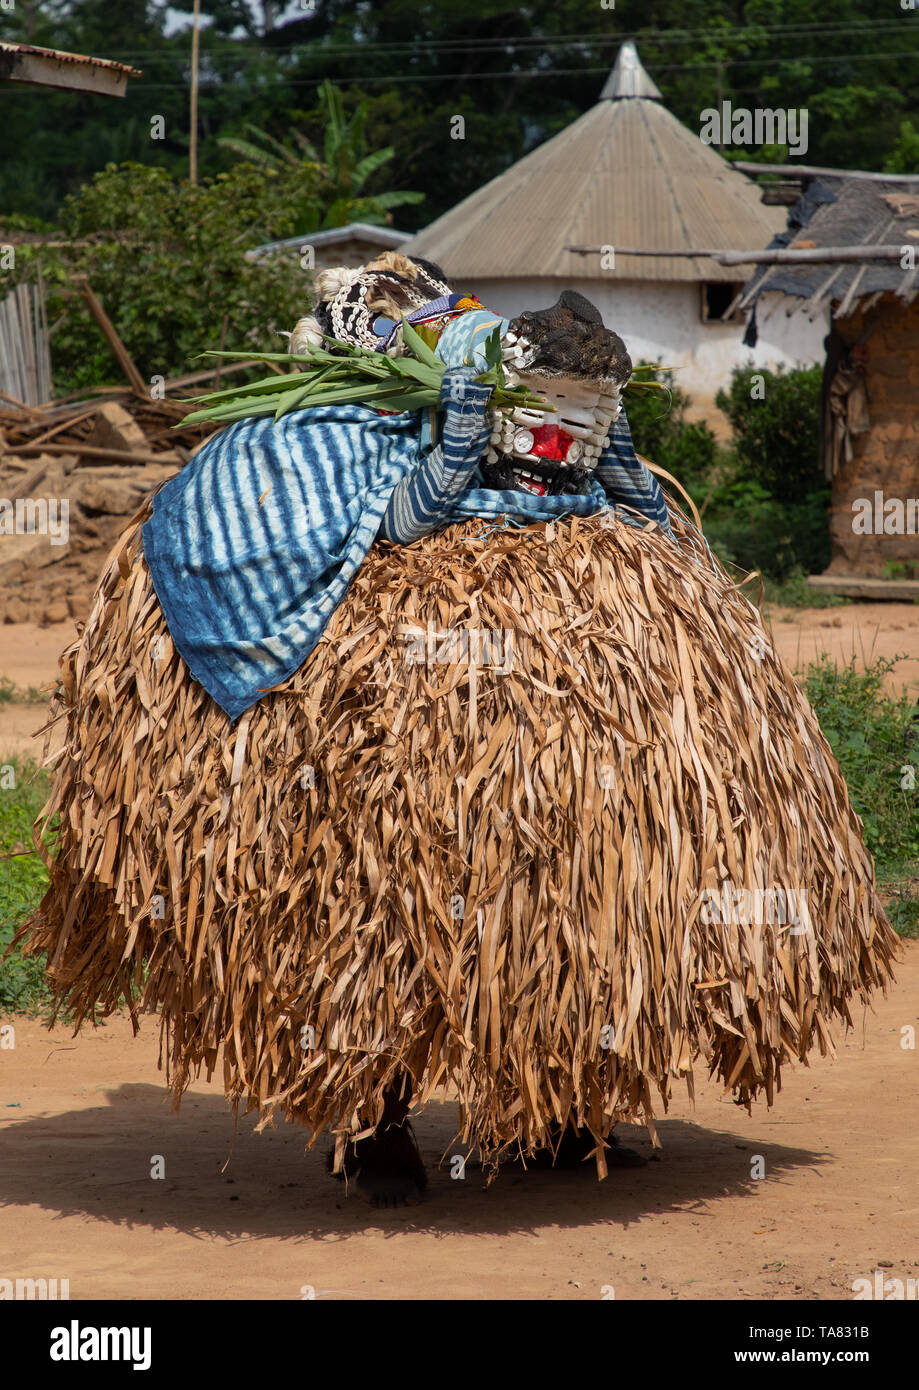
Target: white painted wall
[[663, 320]]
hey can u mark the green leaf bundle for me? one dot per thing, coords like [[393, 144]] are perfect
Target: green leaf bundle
[[350, 375]]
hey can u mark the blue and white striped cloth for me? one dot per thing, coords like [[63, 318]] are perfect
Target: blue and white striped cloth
[[253, 546]]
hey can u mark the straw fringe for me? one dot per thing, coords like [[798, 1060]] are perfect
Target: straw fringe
[[488, 873]]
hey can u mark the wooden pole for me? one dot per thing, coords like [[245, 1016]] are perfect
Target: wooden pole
[[785, 256], [93, 452], [128, 366], [746, 166], [193, 140]]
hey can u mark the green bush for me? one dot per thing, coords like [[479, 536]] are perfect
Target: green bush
[[875, 737], [661, 432], [23, 879], [903, 911], [167, 260], [751, 520], [904, 157], [776, 421], [793, 591], [747, 527]]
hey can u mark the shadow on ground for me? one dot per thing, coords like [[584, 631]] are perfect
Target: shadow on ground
[[98, 1161]]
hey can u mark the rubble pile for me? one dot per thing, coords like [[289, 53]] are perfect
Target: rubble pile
[[72, 473]]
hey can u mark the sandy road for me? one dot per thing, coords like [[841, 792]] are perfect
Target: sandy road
[[80, 1122]]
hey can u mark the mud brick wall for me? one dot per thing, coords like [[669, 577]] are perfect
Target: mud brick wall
[[886, 457]]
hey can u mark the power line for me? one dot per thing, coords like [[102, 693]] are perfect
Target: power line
[[534, 73], [734, 33]]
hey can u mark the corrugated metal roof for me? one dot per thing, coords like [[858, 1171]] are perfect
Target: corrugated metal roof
[[52, 67], [62, 56], [362, 231], [840, 211], [625, 173]]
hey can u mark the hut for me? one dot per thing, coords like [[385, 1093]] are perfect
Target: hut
[[626, 174], [868, 225]]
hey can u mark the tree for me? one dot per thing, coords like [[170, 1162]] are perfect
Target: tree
[[904, 157], [777, 428], [167, 259], [515, 74]]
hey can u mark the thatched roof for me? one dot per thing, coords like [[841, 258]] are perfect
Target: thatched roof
[[842, 211], [626, 173]]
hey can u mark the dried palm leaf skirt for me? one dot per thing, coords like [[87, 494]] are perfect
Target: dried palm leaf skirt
[[478, 837]]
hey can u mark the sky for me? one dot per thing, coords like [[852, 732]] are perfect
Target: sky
[[177, 20]]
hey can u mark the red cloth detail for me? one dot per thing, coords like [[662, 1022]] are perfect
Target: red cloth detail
[[550, 442]]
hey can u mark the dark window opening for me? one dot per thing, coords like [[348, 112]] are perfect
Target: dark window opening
[[717, 298]]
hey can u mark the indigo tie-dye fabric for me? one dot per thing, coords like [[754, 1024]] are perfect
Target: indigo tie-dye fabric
[[252, 546]]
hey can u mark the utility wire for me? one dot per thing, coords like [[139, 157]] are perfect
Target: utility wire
[[732, 34], [238, 83]]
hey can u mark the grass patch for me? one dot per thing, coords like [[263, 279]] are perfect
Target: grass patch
[[11, 693], [875, 737], [23, 880], [900, 892]]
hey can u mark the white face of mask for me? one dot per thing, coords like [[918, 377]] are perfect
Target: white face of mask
[[570, 437]]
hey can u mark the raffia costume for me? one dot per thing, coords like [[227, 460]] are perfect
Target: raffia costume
[[528, 821]]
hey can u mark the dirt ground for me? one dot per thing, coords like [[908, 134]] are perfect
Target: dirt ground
[[863, 630], [81, 1122]]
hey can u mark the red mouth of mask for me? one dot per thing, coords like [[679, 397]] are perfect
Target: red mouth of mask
[[550, 442]]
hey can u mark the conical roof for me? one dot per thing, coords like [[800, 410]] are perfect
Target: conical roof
[[626, 173], [628, 78]]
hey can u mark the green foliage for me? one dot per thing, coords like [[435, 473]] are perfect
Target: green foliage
[[660, 431], [351, 375], [904, 157], [746, 523], [350, 164], [10, 692], [903, 908], [516, 76], [347, 164], [748, 527], [794, 592], [766, 508], [875, 737], [901, 569], [775, 416], [167, 260], [23, 879]]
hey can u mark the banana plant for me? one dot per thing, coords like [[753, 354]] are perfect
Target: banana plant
[[345, 160]]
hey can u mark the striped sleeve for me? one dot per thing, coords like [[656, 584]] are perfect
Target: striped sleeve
[[628, 482], [423, 501]]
